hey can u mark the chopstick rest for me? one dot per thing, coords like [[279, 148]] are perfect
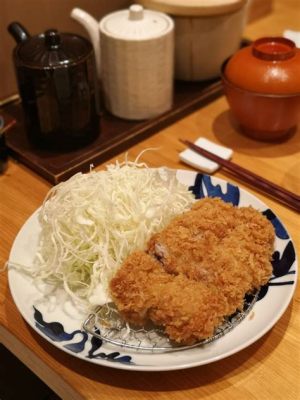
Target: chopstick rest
[[195, 160]]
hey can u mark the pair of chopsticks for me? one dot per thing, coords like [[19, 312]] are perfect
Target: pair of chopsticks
[[286, 197]]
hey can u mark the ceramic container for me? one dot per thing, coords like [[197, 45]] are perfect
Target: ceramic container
[[262, 86], [136, 60], [206, 33], [57, 81]]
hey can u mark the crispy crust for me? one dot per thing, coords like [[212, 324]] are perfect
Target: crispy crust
[[197, 270]]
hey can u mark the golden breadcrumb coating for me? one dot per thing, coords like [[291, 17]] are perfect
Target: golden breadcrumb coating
[[188, 310], [197, 270]]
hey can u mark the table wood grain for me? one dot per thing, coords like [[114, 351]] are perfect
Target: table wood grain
[[269, 368]]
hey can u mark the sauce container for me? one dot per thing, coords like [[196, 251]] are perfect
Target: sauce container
[[57, 82], [135, 55]]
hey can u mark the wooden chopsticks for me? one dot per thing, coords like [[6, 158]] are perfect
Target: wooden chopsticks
[[286, 197]]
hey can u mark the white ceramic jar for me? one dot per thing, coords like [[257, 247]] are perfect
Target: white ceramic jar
[[206, 33], [135, 56]]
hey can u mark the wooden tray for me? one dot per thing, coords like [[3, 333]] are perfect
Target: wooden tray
[[116, 135]]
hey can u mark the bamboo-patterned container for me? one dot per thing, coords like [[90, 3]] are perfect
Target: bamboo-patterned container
[[137, 62], [134, 51]]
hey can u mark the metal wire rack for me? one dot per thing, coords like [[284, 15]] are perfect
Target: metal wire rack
[[106, 324]]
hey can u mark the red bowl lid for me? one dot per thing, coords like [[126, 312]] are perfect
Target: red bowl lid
[[268, 65]]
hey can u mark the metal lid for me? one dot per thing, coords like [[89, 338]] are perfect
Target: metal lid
[[194, 8], [136, 23], [53, 49]]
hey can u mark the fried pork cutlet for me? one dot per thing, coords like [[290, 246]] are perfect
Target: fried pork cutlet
[[142, 290], [219, 244], [197, 270]]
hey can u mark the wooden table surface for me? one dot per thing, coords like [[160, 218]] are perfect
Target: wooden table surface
[[269, 368]]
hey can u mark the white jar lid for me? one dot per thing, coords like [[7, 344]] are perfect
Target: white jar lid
[[136, 23], [194, 8]]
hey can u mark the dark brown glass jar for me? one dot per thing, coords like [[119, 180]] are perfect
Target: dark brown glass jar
[[57, 81]]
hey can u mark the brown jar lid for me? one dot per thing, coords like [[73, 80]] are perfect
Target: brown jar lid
[[194, 8], [53, 49], [268, 65]]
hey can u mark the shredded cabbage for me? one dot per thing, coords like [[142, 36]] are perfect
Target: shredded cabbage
[[92, 222]]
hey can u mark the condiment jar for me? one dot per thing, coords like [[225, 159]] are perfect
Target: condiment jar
[[135, 53], [57, 81], [207, 32]]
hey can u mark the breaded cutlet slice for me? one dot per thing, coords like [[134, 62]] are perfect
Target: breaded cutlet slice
[[197, 270], [218, 244], [131, 286], [188, 310]]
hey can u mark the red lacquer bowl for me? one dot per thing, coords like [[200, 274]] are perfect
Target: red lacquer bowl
[[262, 86]]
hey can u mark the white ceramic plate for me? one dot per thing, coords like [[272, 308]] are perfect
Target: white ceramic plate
[[57, 321]]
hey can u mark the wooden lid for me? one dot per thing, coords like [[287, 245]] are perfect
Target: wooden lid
[[194, 8]]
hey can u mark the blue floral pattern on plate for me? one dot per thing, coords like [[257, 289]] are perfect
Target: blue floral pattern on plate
[[56, 332], [204, 187]]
